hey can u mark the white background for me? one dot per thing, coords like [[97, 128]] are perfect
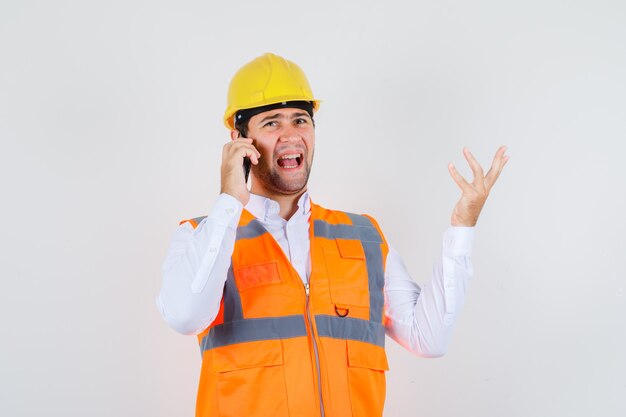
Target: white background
[[110, 128]]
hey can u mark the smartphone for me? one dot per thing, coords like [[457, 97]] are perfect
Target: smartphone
[[246, 168], [246, 163]]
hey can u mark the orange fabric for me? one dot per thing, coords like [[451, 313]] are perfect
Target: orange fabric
[[285, 376]]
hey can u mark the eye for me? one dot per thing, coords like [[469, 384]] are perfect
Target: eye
[[271, 123], [301, 121]]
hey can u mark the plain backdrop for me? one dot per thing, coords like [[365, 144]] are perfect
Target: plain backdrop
[[110, 128]]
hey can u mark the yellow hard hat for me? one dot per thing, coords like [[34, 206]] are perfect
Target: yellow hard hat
[[268, 79]]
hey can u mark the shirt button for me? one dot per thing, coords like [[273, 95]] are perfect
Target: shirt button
[[230, 211], [212, 249]]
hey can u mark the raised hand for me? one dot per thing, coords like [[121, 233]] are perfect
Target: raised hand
[[233, 179], [474, 194]]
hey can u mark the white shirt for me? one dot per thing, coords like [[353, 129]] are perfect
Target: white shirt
[[194, 274]]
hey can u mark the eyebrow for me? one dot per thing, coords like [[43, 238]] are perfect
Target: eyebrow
[[281, 116]]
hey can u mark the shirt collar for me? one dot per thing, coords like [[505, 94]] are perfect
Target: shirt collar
[[264, 208]]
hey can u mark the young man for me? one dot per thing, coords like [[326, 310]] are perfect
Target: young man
[[291, 301]]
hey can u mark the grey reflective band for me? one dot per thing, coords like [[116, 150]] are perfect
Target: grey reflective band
[[376, 279], [360, 220], [375, 270], [197, 220], [350, 328], [362, 229], [253, 330], [346, 231], [232, 300], [251, 230]]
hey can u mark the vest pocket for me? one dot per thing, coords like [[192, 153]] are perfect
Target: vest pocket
[[367, 364], [251, 379], [251, 276], [347, 273]]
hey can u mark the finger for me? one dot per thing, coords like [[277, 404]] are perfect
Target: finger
[[477, 170], [499, 160], [242, 149], [496, 166], [256, 151], [458, 178], [251, 152], [240, 144], [492, 181]]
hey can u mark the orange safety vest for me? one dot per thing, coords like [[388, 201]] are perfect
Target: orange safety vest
[[281, 348]]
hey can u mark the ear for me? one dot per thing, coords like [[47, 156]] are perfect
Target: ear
[[234, 134]]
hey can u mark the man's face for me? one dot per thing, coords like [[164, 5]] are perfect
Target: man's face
[[286, 140]]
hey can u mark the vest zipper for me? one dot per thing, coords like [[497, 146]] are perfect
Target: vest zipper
[[317, 358]]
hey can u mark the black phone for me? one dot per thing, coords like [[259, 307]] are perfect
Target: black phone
[[246, 163], [246, 168]]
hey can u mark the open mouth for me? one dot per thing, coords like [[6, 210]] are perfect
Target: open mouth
[[290, 160]]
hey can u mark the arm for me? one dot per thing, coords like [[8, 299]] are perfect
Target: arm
[[194, 271], [422, 320]]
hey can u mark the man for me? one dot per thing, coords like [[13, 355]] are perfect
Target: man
[[291, 301]]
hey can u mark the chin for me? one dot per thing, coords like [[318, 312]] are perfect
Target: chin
[[290, 190]]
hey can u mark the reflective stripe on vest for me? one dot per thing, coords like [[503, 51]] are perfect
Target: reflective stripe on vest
[[251, 230], [350, 329], [252, 330], [232, 302], [364, 231]]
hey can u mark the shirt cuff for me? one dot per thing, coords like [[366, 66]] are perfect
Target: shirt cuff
[[458, 241], [226, 211]]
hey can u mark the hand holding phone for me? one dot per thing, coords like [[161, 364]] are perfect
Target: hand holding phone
[[237, 154], [246, 162]]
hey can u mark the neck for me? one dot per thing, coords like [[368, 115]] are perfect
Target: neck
[[288, 203]]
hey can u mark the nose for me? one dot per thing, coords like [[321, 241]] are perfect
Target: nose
[[289, 134]]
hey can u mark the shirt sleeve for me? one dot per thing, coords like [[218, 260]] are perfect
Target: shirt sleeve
[[421, 319], [196, 266]]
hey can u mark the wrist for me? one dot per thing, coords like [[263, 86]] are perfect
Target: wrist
[[463, 222], [242, 197]]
